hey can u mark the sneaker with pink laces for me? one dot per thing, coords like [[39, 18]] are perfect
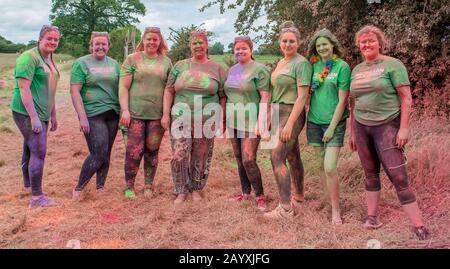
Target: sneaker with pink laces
[[261, 203]]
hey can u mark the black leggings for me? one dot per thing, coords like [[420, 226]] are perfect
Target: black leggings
[[103, 130], [144, 139], [245, 150], [375, 145], [289, 181], [34, 150]]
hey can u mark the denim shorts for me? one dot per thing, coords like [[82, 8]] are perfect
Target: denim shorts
[[315, 132]]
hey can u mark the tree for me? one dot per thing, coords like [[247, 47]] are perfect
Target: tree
[[216, 49], [7, 46], [421, 31], [231, 47], [77, 19], [118, 37], [180, 38]]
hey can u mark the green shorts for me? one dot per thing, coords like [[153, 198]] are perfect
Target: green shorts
[[315, 132]]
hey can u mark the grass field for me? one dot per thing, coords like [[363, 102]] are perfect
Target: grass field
[[110, 221]]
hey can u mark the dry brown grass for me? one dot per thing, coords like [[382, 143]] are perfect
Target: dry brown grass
[[110, 221]]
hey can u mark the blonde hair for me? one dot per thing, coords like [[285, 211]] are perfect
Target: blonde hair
[[289, 26], [375, 30], [162, 48], [98, 34]]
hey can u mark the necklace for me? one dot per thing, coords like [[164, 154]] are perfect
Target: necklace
[[320, 78]]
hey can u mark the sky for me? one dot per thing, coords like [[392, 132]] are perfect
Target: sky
[[21, 20]]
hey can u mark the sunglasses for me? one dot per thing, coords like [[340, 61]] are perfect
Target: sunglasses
[[52, 27], [242, 38], [289, 29], [153, 29]]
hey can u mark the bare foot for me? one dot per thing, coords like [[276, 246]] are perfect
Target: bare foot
[[180, 198], [197, 196]]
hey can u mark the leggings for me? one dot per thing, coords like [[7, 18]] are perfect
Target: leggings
[[34, 150], [103, 130], [288, 151], [375, 146], [144, 139], [191, 161], [245, 150]]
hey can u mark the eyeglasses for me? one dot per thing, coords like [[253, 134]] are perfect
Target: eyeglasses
[[153, 29]]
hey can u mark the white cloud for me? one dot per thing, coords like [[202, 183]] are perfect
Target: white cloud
[[21, 20]]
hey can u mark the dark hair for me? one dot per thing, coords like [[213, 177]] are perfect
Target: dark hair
[[247, 40], [337, 48]]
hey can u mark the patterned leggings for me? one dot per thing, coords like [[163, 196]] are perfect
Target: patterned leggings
[[144, 139], [191, 161]]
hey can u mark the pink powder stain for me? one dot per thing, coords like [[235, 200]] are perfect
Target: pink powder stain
[[110, 217]]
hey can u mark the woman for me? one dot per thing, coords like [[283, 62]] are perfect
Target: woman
[[33, 105], [94, 90], [327, 111], [247, 85], [290, 80], [143, 79], [194, 84], [380, 108]]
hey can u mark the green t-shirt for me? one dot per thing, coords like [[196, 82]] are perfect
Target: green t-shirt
[[325, 99], [242, 90], [285, 80], [100, 80], [195, 83], [373, 88], [30, 65], [145, 96]]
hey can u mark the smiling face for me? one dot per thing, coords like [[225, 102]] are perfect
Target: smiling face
[[151, 41], [369, 45], [49, 42], [288, 44], [324, 48], [242, 52], [199, 47], [100, 47]]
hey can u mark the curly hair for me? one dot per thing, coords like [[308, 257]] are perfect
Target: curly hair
[[337, 48], [375, 30]]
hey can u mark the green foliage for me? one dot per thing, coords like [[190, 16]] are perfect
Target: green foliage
[[180, 38], [419, 32], [230, 47], [7, 46], [118, 37], [216, 49], [229, 60], [77, 19]]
